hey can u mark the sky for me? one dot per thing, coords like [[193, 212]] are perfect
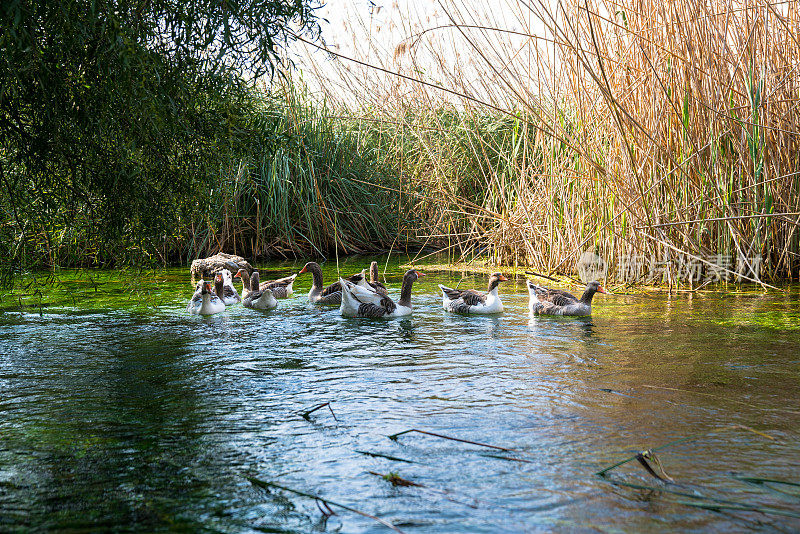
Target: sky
[[371, 30]]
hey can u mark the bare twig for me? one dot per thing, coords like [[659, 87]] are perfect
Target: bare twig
[[305, 415], [395, 436], [266, 485]]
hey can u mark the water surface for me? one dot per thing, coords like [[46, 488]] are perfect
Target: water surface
[[119, 411]]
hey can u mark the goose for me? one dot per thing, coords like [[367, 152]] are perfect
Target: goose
[[373, 279], [281, 288], [360, 301], [333, 293], [259, 299], [544, 301], [210, 303], [472, 301], [229, 294]]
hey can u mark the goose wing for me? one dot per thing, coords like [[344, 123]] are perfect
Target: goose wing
[[450, 293], [280, 282], [368, 309], [557, 297], [365, 295], [379, 288], [337, 286], [370, 302], [281, 288], [473, 298], [229, 294]]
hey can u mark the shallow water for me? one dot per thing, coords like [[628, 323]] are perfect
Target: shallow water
[[120, 411]]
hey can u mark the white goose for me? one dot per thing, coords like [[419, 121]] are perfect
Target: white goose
[[332, 294], [210, 303], [229, 294], [281, 288], [471, 301], [259, 299], [360, 301]]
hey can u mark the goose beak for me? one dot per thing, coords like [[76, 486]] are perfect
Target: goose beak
[[303, 271], [602, 290], [238, 274], [502, 278], [419, 273]]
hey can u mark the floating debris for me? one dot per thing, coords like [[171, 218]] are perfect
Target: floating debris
[[328, 503], [718, 507], [508, 458], [394, 437], [393, 458], [768, 484], [645, 458], [305, 415], [396, 480], [603, 472]]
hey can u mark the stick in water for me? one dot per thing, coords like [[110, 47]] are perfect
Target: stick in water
[[602, 472], [305, 415], [266, 485], [394, 437]]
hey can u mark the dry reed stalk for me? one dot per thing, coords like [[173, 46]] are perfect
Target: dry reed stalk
[[599, 124]]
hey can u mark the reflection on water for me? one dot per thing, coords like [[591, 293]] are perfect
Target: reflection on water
[[116, 417]]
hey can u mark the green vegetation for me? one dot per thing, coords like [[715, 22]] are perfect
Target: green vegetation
[[305, 184], [124, 141], [115, 118]]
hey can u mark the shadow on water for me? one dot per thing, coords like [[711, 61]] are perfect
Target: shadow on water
[[126, 431]]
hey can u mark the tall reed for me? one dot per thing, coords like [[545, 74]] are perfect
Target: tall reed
[[305, 185], [664, 137]]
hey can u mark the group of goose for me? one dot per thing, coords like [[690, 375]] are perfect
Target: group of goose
[[358, 297]]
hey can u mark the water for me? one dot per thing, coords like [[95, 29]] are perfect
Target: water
[[118, 411]]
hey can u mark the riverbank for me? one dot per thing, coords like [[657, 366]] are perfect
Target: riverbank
[[150, 290]]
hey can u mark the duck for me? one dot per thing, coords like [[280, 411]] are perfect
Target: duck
[[259, 299], [333, 293], [210, 303], [360, 301], [374, 282], [281, 288], [229, 294], [471, 301], [545, 301]]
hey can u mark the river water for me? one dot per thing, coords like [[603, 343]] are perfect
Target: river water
[[118, 411]]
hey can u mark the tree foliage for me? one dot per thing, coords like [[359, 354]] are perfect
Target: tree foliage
[[113, 114]]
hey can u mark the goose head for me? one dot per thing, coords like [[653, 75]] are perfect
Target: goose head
[[592, 288], [597, 288], [219, 283], [495, 280], [316, 272]]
